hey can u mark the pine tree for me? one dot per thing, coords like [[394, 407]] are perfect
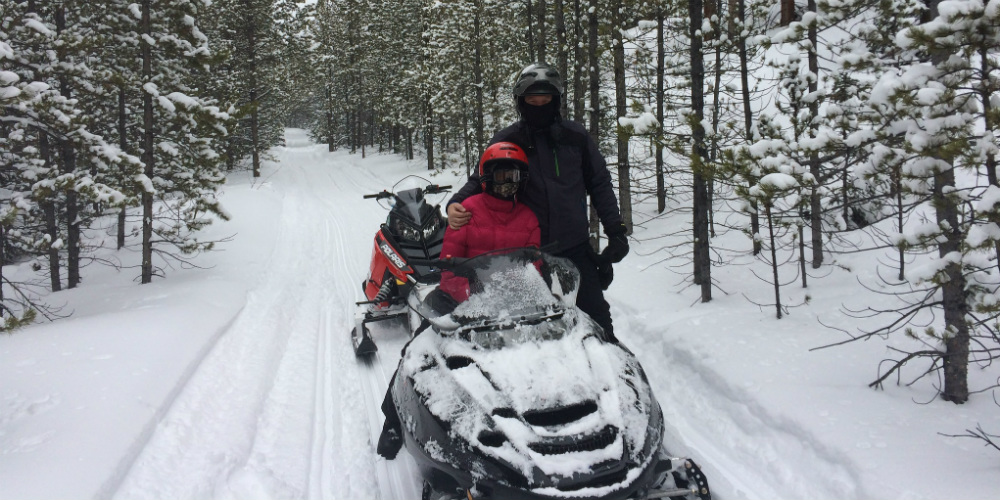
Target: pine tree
[[179, 127]]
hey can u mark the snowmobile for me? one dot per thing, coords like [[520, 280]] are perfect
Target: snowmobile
[[414, 228], [513, 392]]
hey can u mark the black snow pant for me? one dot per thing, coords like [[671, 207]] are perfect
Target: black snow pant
[[590, 297], [391, 439]]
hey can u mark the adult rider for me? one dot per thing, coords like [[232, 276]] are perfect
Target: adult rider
[[564, 166]]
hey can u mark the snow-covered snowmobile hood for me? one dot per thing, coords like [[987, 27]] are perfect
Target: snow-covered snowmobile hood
[[548, 397]]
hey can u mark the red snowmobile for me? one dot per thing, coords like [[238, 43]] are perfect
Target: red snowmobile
[[415, 230]]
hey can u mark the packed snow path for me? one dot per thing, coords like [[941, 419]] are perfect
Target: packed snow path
[[280, 407]]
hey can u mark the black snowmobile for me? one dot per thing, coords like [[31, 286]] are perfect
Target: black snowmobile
[[512, 392]]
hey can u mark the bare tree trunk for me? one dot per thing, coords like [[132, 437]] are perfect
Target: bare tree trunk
[[68, 167], [579, 63], [251, 34], [3, 263], [123, 144], [815, 205], [429, 134], [956, 334], [661, 53], [985, 93], [478, 70], [147, 150], [897, 185], [542, 41], [51, 221], [955, 362], [716, 105], [741, 41], [774, 260], [621, 109], [561, 56], [409, 143], [531, 31], [595, 107], [702, 258]]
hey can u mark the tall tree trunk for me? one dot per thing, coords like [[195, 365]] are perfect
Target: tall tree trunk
[[68, 167], [3, 263], [478, 70], [661, 53], [251, 34], [815, 205], [621, 109], [955, 362], [531, 31], [542, 41], [716, 108], [51, 220], [774, 260], [330, 122], [579, 63], [409, 143], [561, 57], [429, 134], [741, 41], [702, 258], [147, 149], [986, 91], [123, 144], [956, 335], [595, 105]]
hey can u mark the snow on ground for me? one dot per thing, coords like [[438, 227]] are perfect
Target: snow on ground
[[237, 380]]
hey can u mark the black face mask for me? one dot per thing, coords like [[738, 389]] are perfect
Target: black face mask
[[539, 117]]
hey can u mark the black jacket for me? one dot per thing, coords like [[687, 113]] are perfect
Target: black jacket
[[564, 166]]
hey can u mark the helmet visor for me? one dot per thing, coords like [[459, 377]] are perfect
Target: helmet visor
[[541, 88]]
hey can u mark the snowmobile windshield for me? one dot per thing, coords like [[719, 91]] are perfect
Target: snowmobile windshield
[[502, 297], [411, 192]]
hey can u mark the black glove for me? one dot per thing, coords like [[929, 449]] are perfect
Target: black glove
[[617, 245], [605, 272]]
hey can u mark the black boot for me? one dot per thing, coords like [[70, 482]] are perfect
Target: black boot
[[390, 442]]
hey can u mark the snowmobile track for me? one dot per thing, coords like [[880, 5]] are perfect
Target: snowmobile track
[[398, 478]]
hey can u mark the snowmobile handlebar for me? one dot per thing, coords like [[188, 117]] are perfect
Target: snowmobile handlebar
[[383, 194], [429, 189], [435, 188]]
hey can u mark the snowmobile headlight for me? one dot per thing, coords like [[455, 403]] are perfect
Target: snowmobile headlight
[[406, 231], [432, 227]]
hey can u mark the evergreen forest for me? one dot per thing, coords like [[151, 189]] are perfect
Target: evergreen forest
[[798, 123]]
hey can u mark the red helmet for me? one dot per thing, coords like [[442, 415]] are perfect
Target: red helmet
[[502, 153]]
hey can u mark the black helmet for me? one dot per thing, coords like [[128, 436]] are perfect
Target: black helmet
[[538, 78]]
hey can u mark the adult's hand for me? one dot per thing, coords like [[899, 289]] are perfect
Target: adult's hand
[[617, 247], [458, 216]]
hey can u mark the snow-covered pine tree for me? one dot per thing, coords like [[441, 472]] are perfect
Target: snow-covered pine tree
[[253, 35], [50, 163], [180, 128], [948, 139]]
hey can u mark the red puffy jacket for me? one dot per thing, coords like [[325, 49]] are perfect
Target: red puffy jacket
[[495, 224]]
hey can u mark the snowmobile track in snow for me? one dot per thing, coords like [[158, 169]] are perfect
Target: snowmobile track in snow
[[398, 478]]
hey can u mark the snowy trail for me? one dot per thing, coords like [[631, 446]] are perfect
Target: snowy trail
[[275, 409], [281, 408]]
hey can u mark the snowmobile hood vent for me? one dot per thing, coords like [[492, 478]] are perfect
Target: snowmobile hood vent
[[597, 441], [561, 415]]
